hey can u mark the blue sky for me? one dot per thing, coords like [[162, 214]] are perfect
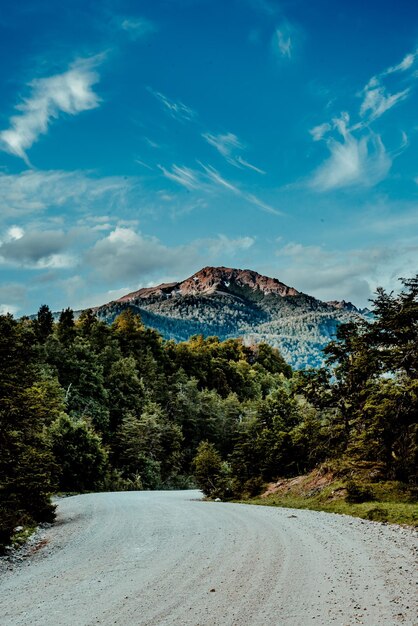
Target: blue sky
[[142, 141]]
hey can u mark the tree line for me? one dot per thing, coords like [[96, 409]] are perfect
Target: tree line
[[89, 406]]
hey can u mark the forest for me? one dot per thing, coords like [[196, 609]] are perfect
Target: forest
[[87, 406]]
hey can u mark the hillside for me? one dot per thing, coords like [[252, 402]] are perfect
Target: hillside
[[229, 302]]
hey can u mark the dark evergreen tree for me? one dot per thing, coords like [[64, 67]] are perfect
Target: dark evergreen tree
[[44, 323]]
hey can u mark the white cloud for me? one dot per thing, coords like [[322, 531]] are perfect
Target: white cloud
[[137, 28], [129, 255], [176, 109], [219, 180], [143, 164], [56, 261], [377, 101], [8, 308], [351, 274], [184, 176], [209, 179], [358, 156], [12, 298], [287, 40], [37, 249], [215, 177], [318, 132], [14, 232], [284, 41], [224, 245], [70, 93], [250, 166], [404, 65], [228, 144], [35, 191], [361, 162]]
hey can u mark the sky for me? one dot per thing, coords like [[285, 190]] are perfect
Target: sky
[[141, 141]]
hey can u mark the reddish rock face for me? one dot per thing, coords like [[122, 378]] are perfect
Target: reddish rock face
[[211, 279]]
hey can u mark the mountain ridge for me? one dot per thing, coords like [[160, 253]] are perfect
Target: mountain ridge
[[230, 302], [214, 277]]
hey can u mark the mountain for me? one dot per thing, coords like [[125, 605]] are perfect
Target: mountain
[[231, 302]]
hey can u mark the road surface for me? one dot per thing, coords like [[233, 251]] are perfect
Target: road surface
[[169, 558]]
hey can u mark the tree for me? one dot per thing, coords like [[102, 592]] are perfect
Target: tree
[[207, 468], [66, 330], [149, 447], [26, 463], [86, 322], [44, 323], [79, 453]]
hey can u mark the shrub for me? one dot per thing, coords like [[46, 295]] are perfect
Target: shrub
[[358, 493]]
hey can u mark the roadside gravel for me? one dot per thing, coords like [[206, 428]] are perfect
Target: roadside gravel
[[171, 559]]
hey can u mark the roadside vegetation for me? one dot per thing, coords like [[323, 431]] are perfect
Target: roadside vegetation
[[333, 489], [89, 406]]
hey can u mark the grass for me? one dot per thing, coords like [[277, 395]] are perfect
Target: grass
[[392, 512], [387, 502]]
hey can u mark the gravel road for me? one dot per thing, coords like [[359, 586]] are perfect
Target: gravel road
[[168, 558]]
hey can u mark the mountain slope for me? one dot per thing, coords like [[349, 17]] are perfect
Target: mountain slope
[[230, 302]]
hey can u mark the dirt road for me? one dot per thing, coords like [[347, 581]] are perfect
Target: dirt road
[[167, 558]]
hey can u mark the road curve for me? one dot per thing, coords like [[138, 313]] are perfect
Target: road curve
[[168, 558]]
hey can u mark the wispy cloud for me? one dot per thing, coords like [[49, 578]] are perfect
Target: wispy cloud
[[143, 164], [250, 166], [69, 93], [286, 40], [228, 145], [318, 132], [357, 154], [184, 176], [175, 108], [406, 63], [227, 246], [225, 144], [137, 27], [352, 161], [209, 179], [376, 100], [34, 191], [214, 176]]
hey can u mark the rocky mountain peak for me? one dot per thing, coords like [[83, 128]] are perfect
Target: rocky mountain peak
[[215, 279], [229, 302], [210, 279], [343, 304]]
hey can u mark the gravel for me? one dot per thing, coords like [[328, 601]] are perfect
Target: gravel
[[169, 558]]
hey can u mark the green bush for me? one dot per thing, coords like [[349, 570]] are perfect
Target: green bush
[[377, 514], [358, 493]]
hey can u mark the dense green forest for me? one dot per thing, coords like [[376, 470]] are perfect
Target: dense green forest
[[90, 406]]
